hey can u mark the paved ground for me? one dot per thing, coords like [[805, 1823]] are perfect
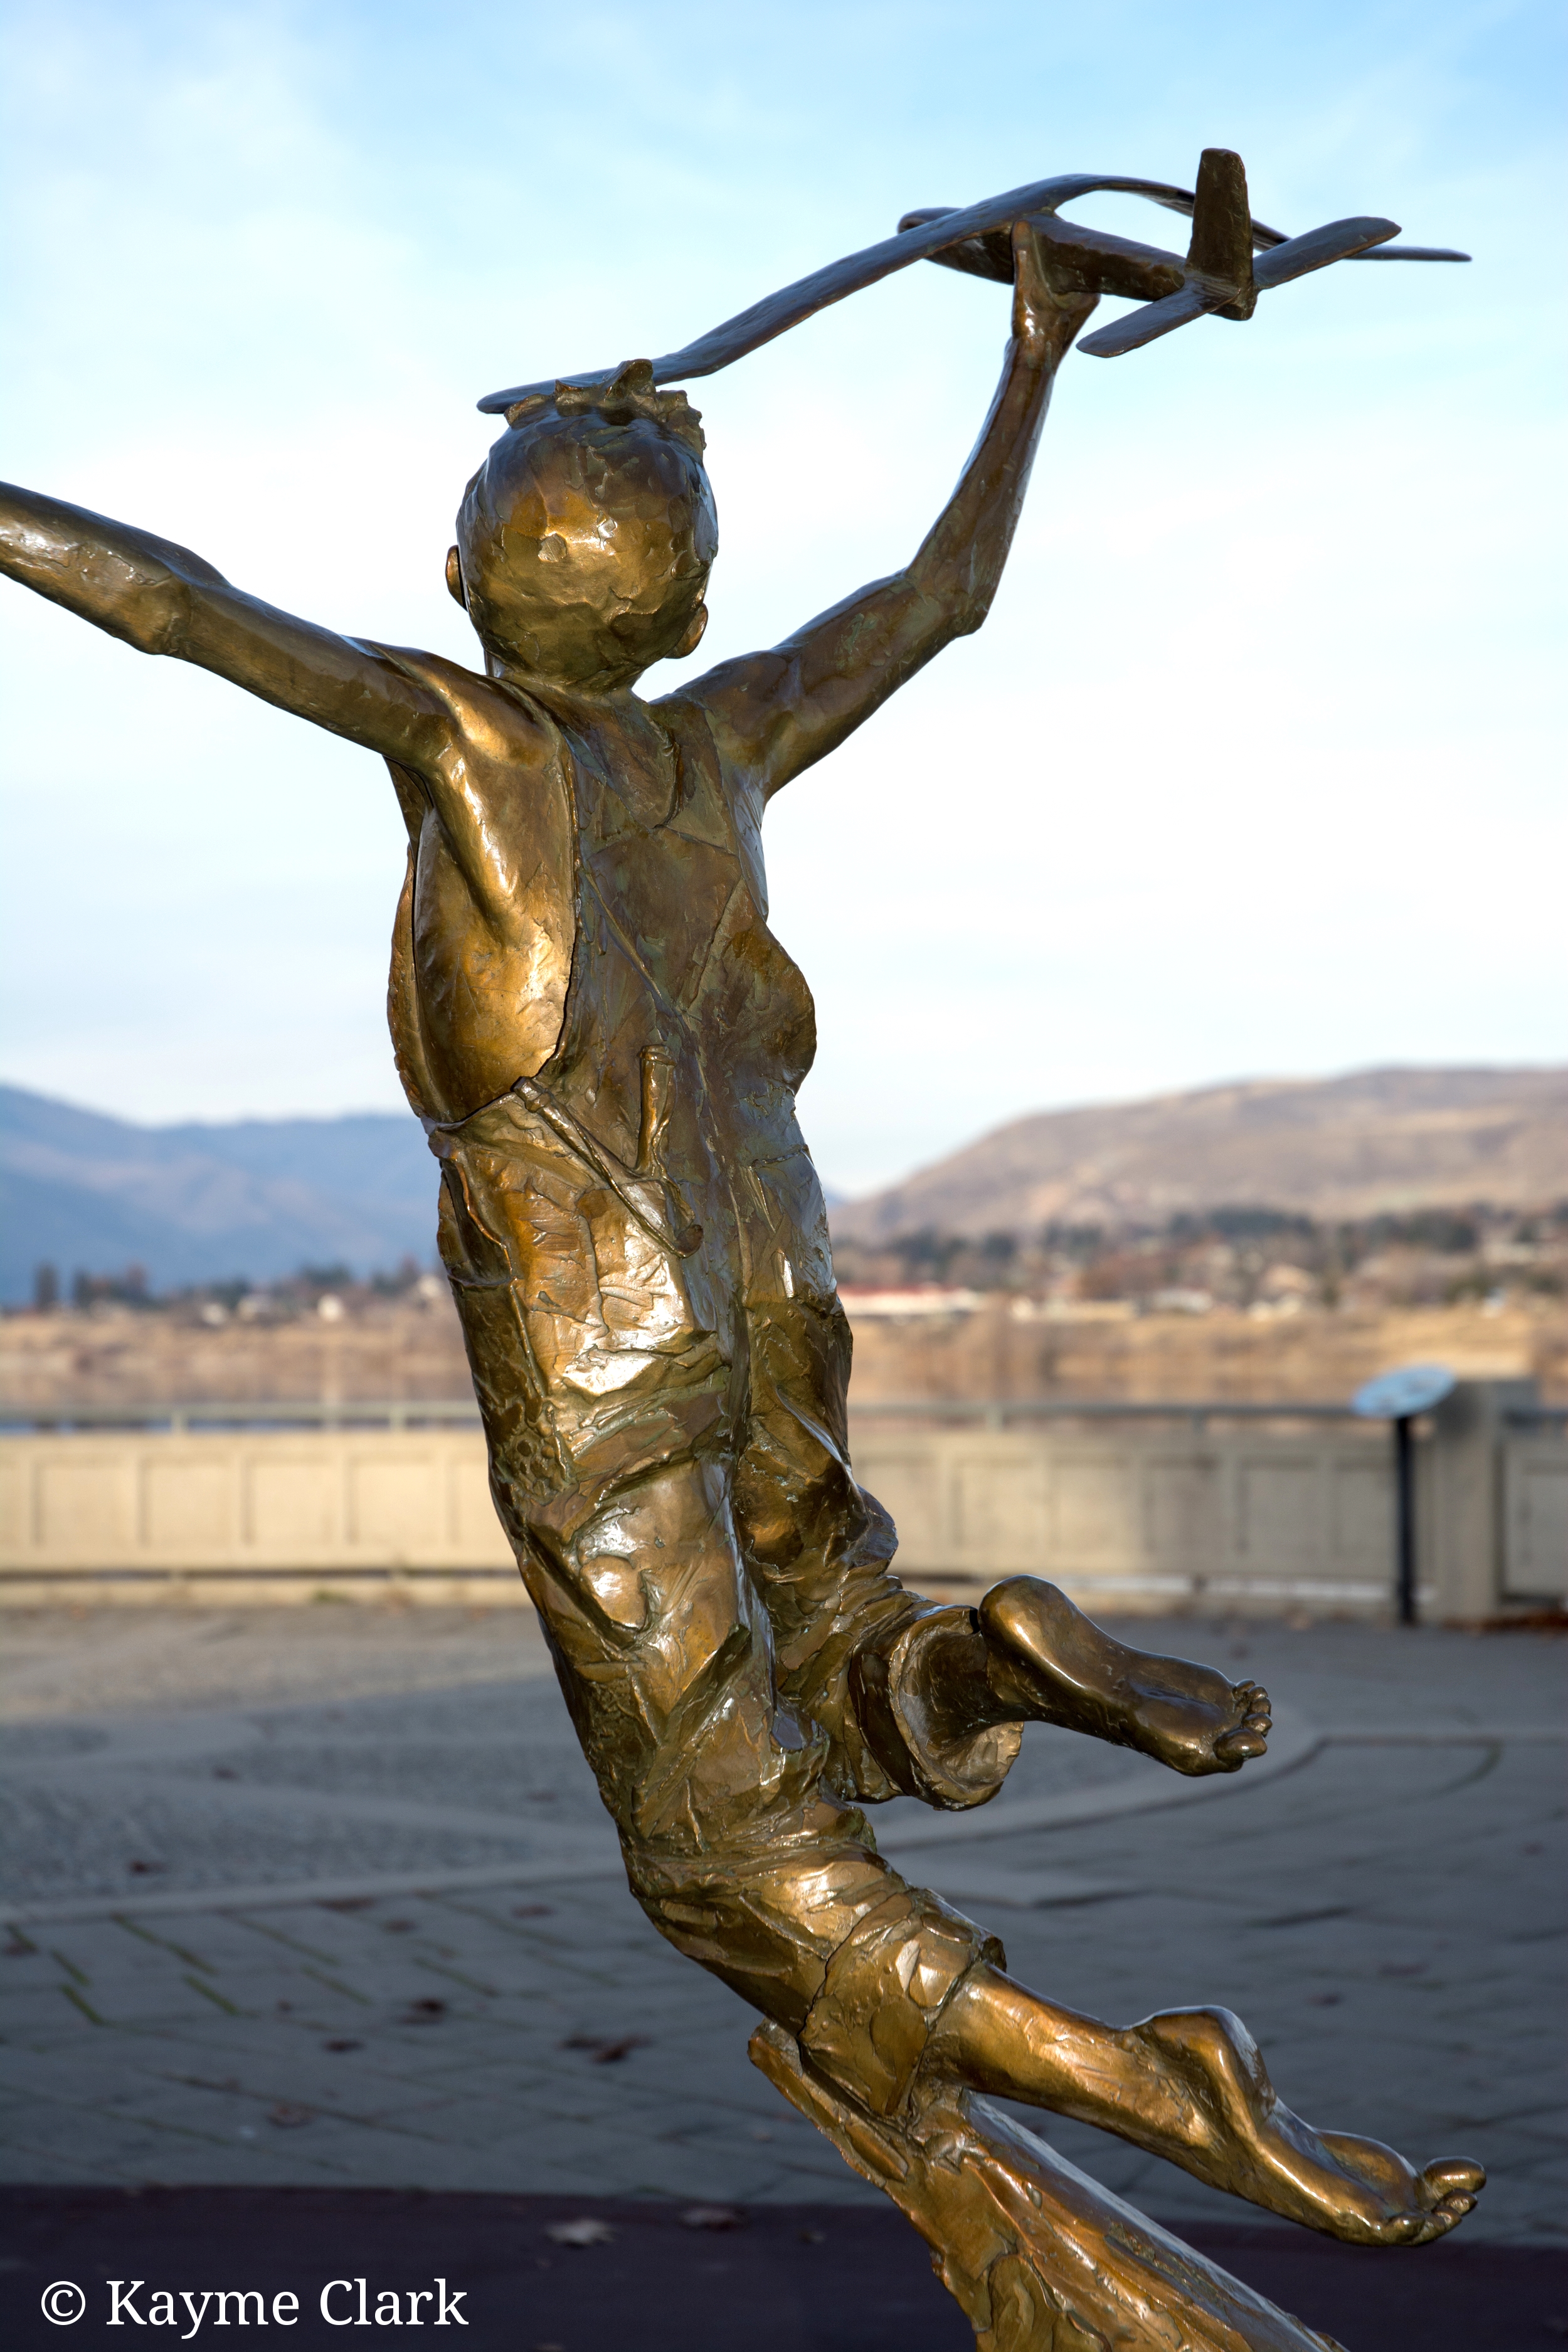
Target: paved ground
[[325, 1898]]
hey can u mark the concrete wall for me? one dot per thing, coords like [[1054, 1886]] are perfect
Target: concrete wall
[[1535, 1518], [1138, 1516], [1124, 1513], [258, 1515]]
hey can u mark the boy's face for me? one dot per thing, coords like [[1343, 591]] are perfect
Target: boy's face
[[584, 548]]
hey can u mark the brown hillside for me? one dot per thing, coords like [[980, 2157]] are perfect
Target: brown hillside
[[1338, 1148]]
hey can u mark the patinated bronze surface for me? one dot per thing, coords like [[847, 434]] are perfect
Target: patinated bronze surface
[[603, 1040]]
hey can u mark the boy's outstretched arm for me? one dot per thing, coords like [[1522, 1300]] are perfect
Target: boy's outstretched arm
[[164, 599], [773, 714]]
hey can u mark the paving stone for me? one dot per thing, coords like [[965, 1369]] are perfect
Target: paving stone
[[1412, 1858]]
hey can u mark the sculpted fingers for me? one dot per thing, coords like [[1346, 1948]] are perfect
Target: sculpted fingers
[[1047, 311]]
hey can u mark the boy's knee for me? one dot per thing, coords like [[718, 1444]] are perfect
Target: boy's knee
[[871, 2028]]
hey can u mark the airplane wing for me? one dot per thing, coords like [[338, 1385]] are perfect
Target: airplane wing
[[1204, 294], [1339, 241], [1147, 324]]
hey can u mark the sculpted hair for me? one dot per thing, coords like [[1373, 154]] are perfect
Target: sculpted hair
[[631, 393], [594, 508], [595, 417]]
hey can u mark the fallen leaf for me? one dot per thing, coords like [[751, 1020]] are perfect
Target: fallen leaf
[[589, 2231], [532, 1911], [606, 2049], [426, 2011], [342, 2045], [713, 2217], [287, 2117]]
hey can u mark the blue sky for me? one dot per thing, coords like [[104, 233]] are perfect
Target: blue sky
[[1256, 768]]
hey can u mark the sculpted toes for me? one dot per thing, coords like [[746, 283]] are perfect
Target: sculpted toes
[[1455, 2182], [1251, 1705], [1232, 1748]]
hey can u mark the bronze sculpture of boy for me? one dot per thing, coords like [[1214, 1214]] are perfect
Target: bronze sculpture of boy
[[603, 1040]]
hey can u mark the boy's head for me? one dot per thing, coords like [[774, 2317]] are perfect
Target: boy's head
[[584, 541]]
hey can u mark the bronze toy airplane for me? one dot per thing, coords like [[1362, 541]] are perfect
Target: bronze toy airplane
[[1217, 276]]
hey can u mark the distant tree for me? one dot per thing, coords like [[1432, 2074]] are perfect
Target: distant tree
[[45, 1288], [128, 1288], [326, 1277]]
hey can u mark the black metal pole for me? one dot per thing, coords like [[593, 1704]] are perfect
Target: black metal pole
[[1404, 1510]]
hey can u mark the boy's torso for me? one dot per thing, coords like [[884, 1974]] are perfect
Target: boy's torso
[[646, 927], [615, 1375]]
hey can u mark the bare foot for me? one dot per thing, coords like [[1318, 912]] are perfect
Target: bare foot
[[1240, 2136], [1190, 2086], [1056, 1665]]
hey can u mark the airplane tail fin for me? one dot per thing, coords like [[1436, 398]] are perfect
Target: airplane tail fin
[[1221, 247]]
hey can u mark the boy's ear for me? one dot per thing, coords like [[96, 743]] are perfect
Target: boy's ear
[[455, 576], [694, 629]]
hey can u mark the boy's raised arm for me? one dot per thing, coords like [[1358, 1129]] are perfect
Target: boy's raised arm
[[164, 599], [775, 713]]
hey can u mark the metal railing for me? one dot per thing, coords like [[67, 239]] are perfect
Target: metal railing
[[443, 1412], [999, 1413], [409, 1412]]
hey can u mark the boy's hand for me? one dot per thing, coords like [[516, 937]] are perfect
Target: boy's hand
[[1047, 315]]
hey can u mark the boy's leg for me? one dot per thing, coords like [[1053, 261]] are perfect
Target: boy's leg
[[1190, 2086], [1029, 1655], [822, 1549]]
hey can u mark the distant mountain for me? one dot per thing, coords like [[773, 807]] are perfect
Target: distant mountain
[[1349, 1147], [256, 1197], [260, 1197]]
